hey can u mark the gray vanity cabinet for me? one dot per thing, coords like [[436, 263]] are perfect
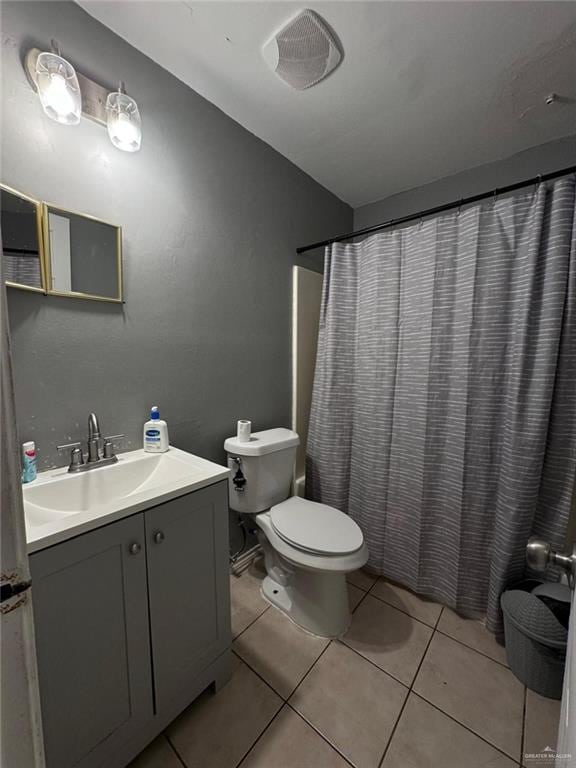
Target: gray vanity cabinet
[[132, 622], [188, 589], [91, 621]]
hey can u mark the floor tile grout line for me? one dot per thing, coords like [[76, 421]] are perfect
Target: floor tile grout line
[[438, 619], [471, 648], [362, 588], [463, 725], [351, 583], [266, 683], [391, 605], [396, 679], [422, 659], [178, 756], [269, 684], [435, 628], [389, 742], [286, 701], [393, 731], [400, 586], [358, 604], [257, 739], [260, 676], [309, 670], [319, 732], [431, 626], [411, 687], [252, 622], [411, 690], [523, 739], [330, 641]]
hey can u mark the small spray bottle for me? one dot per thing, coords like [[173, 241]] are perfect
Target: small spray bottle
[[28, 462]]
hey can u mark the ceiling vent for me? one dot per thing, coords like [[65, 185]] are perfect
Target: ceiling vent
[[303, 52]]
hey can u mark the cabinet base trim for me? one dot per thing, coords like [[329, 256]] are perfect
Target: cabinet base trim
[[218, 674]]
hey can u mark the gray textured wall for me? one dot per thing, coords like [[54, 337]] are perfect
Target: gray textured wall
[[542, 159], [211, 218]]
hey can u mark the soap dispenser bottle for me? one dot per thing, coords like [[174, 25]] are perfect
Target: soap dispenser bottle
[[156, 433]]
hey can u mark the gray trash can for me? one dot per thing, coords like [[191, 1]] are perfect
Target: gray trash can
[[536, 640]]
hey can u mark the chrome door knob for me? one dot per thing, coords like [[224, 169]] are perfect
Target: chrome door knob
[[538, 554], [134, 548], [158, 537]]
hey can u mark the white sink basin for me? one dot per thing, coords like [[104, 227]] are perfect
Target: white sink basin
[[59, 504]]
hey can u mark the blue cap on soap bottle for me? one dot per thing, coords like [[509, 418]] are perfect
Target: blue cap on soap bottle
[[154, 412]]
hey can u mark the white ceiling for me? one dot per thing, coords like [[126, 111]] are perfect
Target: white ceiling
[[426, 89]]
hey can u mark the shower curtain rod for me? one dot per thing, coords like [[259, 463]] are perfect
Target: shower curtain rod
[[439, 209]]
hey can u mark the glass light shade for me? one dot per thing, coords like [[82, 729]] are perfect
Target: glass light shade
[[58, 89], [124, 123]]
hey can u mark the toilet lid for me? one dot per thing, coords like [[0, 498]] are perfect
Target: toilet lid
[[315, 527]]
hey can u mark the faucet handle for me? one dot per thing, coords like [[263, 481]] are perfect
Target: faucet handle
[[108, 450], [67, 445], [76, 457]]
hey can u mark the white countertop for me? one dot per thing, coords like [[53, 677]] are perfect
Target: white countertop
[[59, 505]]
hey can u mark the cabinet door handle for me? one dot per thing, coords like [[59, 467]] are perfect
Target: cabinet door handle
[[158, 537], [134, 548]]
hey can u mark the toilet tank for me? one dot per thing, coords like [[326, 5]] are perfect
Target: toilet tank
[[262, 469]]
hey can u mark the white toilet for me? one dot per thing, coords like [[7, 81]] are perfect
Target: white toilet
[[309, 547]]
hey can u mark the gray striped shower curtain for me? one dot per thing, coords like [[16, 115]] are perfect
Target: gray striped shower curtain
[[444, 406]]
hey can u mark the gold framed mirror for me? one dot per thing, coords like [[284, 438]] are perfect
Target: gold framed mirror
[[23, 263], [83, 255]]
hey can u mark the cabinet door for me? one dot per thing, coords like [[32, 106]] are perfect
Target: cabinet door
[[92, 640], [188, 584]]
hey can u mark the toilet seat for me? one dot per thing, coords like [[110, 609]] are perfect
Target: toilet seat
[[315, 528]]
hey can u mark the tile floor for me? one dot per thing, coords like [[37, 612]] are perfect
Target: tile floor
[[411, 685]]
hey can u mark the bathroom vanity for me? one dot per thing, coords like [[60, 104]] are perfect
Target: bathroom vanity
[[131, 601]]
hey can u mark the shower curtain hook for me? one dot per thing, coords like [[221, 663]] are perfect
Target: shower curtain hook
[[460, 205], [538, 184], [495, 198]]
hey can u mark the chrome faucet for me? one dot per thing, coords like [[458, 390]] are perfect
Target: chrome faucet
[[100, 449], [94, 437], [93, 426]]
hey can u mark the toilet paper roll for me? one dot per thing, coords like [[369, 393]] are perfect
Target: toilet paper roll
[[244, 430]]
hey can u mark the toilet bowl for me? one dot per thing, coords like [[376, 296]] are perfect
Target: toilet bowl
[[308, 547]]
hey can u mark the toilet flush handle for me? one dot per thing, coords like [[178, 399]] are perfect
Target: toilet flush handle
[[238, 480]]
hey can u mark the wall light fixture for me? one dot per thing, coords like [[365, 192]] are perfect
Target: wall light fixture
[[123, 120], [58, 87], [66, 94]]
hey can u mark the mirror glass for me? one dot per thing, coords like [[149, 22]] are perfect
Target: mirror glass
[[84, 255], [22, 261]]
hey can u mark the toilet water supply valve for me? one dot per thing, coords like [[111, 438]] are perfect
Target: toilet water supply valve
[[239, 480]]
